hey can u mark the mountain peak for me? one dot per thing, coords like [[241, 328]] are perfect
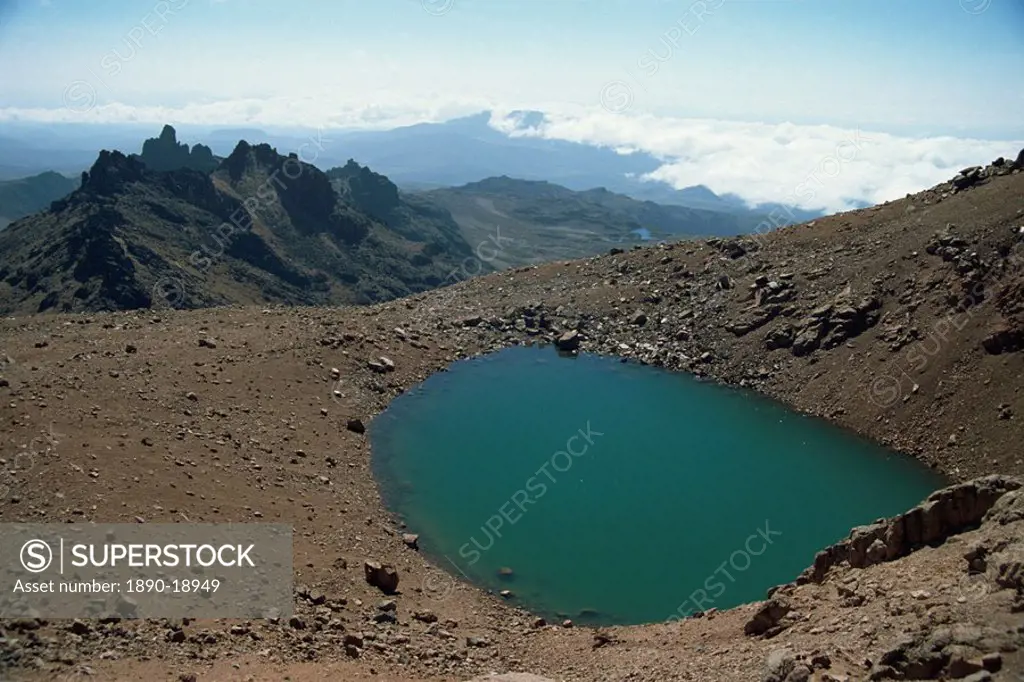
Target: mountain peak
[[246, 156], [371, 192], [110, 172], [165, 153], [525, 119], [505, 183]]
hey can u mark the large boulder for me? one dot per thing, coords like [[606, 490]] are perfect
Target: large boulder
[[1019, 163], [946, 652], [1009, 508], [807, 337], [780, 338], [779, 665], [968, 177], [382, 576], [767, 616], [569, 341]]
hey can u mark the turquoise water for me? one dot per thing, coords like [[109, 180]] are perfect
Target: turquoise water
[[618, 493]]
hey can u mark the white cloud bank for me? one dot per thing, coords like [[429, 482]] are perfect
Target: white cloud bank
[[373, 110], [814, 167]]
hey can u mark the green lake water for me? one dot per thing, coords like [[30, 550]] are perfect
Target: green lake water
[[618, 493]]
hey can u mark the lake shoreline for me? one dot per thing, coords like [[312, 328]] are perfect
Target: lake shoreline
[[258, 423], [449, 459]]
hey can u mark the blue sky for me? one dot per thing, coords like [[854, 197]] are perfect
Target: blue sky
[[744, 96], [916, 66]]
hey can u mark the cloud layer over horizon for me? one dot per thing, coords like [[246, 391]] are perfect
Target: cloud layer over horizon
[[810, 166], [813, 167]]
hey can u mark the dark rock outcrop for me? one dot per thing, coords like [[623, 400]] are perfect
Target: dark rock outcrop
[[370, 192], [165, 153], [1003, 338], [780, 338], [262, 227], [772, 292], [1007, 334], [754, 320], [111, 173], [946, 652], [968, 177], [732, 248], [114, 174], [829, 325], [973, 176], [767, 618], [945, 513]]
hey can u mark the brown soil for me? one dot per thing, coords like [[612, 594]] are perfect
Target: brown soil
[[906, 356]]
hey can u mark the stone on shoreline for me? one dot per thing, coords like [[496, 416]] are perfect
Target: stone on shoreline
[[381, 576]]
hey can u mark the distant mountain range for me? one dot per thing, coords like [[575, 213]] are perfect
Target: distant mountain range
[[22, 197], [422, 156], [177, 224], [466, 150], [541, 221]]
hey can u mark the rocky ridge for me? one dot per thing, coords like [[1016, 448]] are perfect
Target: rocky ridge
[[945, 513], [261, 227]]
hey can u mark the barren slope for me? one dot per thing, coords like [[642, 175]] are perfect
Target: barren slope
[[150, 426]]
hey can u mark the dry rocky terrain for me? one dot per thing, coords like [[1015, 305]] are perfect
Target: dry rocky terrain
[[903, 322]]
